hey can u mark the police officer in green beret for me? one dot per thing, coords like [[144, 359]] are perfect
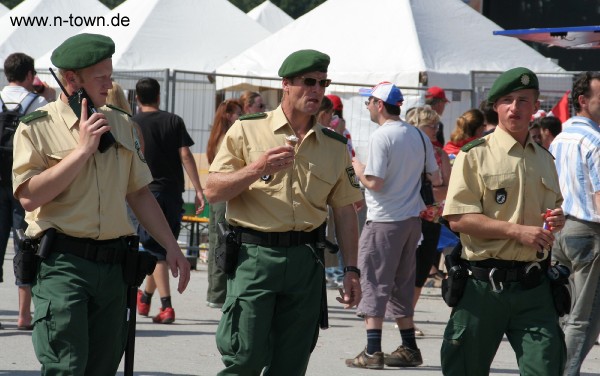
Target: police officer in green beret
[[500, 188], [278, 172], [68, 186]]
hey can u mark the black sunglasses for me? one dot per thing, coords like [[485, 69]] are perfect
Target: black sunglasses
[[307, 81]]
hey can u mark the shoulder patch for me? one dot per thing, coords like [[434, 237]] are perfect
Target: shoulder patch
[[333, 134], [258, 115], [32, 116], [472, 144], [118, 109]]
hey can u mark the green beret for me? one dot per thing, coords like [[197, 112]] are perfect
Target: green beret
[[513, 80], [82, 50], [304, 61]]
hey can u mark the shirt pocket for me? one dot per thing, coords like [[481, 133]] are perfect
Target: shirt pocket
[[318, 183], [551, 192], [499, 188], [269, 183], [56, 156]]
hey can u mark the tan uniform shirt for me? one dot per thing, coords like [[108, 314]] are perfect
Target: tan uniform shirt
[[293, 199], [93, 206], [504, 181]]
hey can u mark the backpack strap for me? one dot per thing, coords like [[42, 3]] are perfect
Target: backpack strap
[[27, 102]]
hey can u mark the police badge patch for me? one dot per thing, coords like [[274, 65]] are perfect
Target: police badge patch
[[352, 177], [501, 196], [138, 148]]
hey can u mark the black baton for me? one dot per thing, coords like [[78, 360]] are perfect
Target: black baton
[[131, 318]]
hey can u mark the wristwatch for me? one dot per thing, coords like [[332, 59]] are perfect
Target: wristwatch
[[352, 269]]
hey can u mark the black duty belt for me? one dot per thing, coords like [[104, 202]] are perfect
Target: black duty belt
[[110, 251], [498, 272], [277, 239]]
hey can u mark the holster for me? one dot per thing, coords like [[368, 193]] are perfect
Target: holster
[[321, 245], [136, 265], [227, 252], [454, 285], [559, 279], [25, 262]]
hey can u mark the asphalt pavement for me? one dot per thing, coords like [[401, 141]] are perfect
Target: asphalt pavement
[[187, 347]]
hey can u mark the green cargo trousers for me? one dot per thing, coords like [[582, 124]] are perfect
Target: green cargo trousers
[[80, 326], [270, 316], [482, 317]]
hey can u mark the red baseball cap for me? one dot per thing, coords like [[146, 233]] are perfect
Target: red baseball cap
[[337, 102], [437, 93]]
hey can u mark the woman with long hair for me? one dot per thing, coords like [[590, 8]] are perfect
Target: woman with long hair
[[251, 102], [227, 113], [469, 126]]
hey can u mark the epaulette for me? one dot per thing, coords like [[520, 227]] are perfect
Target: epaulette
[[118, 109], [257, 115], [333, 134], [32, 116], [472, 144]]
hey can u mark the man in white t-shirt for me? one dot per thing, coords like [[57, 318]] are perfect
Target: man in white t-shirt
[[20, 73], [386, 257]]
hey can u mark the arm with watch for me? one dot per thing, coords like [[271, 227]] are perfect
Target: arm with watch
[[346, 228]]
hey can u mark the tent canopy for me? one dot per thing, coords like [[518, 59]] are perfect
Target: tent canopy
[[581, 37], [177, 34], [393, 40], [36, 40], [270, 16]]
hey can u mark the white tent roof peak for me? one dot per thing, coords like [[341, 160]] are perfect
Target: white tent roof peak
[[36, 40], [177, 34], [3, 10], [270, 16], [393, 40]]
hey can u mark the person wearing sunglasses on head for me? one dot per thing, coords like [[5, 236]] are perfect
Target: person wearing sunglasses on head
[[278, 172]]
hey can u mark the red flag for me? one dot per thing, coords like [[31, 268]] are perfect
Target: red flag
[[561, 110]]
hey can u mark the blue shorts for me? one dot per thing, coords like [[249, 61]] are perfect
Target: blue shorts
[[172, 207]]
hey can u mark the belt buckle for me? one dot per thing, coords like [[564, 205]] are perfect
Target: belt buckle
[[494, 286]]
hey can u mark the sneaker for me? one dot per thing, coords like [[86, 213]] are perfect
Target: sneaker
[[143, 308], [404, 357], [419, 332], [214, 305], [364, 360], [165, 316]]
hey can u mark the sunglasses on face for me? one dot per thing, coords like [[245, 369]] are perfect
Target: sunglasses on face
[[308, 81]]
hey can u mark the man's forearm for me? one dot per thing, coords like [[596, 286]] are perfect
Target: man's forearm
[[190, 167], [149, 214], [481, 226], [223, 186], [346, 231]]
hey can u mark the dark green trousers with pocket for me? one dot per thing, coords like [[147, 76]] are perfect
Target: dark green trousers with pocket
[[270, 316], [483, 317], [80, 325]]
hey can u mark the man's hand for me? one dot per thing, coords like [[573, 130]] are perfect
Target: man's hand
[[535, 237], [91, 129], [179, 266], [199, 202], [556, 219], [274, 160], [359, 168], [351, 294]]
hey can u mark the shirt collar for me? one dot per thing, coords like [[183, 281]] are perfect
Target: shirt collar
[[280, 120], [507, 142], [582, 120], [66, 113]]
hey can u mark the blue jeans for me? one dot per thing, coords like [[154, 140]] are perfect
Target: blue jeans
[[578, 247], [12, 216]]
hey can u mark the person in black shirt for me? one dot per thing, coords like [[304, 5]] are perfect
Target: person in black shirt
[[167, 148]]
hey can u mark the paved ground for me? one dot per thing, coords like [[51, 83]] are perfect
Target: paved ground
[[187, 347]]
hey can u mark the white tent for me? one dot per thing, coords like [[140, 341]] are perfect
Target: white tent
[[63, 18], [195, 35], [3, 10], [270, 16], [412, 43]]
